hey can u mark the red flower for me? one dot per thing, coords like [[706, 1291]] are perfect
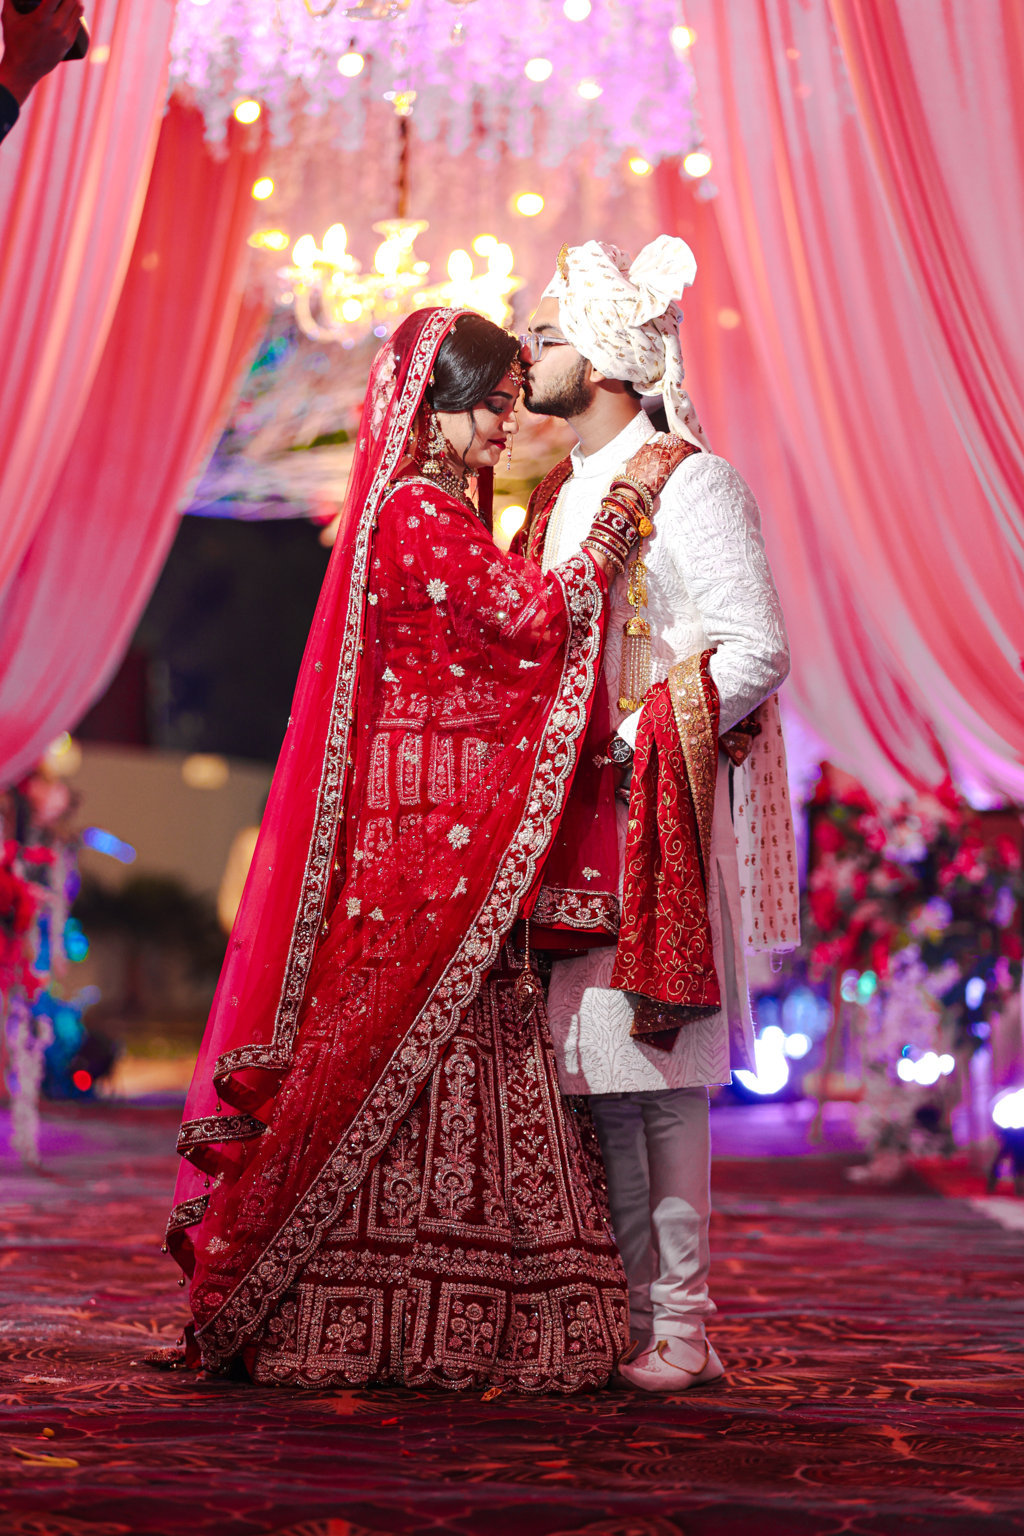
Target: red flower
[[827, 836], [1011, 945], [825, 909], [1007, 852], [38, 855], [880, 955]]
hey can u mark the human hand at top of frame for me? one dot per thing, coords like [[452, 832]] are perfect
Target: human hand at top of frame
[[35, 42]]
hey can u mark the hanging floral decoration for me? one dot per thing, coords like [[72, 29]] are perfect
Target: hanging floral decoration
[[535, 79]]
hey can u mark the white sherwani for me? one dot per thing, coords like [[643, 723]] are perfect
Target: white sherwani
[[708, 585]]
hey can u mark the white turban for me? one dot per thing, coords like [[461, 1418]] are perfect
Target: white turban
[[624, 318]]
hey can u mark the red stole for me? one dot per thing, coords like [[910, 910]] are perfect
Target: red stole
[[664, 949]]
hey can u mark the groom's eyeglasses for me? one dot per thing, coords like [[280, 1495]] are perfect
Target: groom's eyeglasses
[[532, 345]]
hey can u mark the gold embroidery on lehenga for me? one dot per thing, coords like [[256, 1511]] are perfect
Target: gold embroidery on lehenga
[[464, 1296]]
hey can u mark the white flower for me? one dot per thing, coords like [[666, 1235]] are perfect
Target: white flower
[[352, 906], [371, 598], [429, 508], [522, 745], [461, 888], [524, 666], [456, 670], [413, 522], [437, 590], [458, 836], [590, 874], [377, 915], [389, 676]]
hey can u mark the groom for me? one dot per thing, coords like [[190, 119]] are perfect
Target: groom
[[605, 333]]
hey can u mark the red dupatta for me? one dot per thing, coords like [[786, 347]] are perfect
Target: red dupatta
[[384, 882]]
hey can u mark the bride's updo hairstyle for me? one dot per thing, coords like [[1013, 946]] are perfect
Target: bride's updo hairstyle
[[471, 362]]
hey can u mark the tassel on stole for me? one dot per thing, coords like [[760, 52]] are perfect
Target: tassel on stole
[[635, 672]]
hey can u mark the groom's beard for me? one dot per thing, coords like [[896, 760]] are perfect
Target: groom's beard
[[570, 397]]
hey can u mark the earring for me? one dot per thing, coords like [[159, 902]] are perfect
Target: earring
[[433, 463], [508, 461]]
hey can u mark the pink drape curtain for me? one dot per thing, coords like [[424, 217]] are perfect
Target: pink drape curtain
[[73, 177], [844, 684], [935, 92], [179, 339], [892, 541]]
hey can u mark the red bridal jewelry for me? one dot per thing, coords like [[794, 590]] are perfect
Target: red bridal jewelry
[[615, 532]]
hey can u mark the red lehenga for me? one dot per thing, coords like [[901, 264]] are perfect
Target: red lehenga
[[381, 1182]]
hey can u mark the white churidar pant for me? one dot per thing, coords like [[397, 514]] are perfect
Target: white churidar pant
[[657, 1151]]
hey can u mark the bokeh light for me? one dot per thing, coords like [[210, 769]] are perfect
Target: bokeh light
[[248, 111], [529, 204], [538, 70], [263, 188], [697, 163]]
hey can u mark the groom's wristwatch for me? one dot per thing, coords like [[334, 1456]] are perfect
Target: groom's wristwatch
[[619, 751]]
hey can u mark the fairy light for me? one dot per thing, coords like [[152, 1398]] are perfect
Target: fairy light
[[589, 90], [269, 240], [247, 111], [538, 70], [1008, 1110], [485, 245], [263, 188], [639, 166], [529, 204], [576, 10], [351, 64], [697, 163], [682, 38]]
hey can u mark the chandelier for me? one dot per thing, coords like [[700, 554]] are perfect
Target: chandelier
[[335, 300]]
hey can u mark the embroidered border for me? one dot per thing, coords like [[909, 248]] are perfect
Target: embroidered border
[[241, 1314], [316, 877], [188, 1214], [577, 909], [216, 1128], [700, 748]]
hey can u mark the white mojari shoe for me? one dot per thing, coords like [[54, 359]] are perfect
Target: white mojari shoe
[[673, 1365]]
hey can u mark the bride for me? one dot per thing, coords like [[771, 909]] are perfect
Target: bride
[[380, 1181]]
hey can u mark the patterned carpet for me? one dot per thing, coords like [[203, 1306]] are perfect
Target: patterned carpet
[[874, 1346]]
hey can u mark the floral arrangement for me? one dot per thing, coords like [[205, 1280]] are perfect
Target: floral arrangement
[[932, 873], [914, 912], [38, 880]]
